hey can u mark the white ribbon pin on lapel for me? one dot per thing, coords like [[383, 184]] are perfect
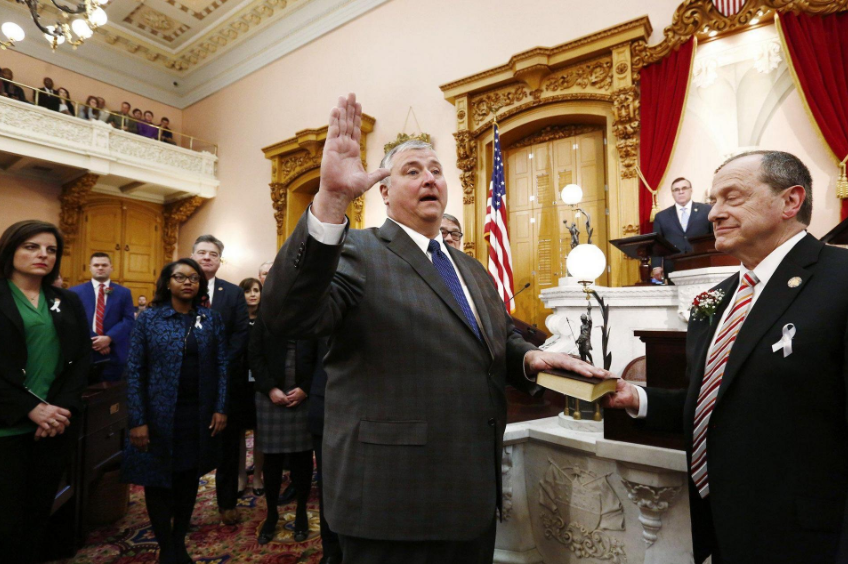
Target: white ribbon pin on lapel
[[785, 341], [197, 323], [56, 306]]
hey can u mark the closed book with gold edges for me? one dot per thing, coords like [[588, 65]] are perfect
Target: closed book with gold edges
[[573, 385]]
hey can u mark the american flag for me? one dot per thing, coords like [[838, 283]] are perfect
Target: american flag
[[729, 8], [495, 230]]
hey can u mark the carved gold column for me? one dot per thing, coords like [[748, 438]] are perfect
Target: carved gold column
[[466, 161], [175, 214], [624, 206], [294, 167], [72, 199]]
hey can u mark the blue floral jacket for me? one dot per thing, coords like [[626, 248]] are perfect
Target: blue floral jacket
[[153, 374]]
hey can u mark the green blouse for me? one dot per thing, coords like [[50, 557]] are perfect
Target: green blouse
[[43, 351]]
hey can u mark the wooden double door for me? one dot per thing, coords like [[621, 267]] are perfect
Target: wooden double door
[[130, 232], [539, 238]]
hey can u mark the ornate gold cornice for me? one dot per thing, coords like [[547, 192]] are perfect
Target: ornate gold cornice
[[700, 18], [571, 97], [554, 132], [547, 59], [72, 199], [175, 214]]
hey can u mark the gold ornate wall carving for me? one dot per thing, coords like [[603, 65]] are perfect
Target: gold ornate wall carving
[[700, 18], [581, 78], [298, 157], [72, 200], [554, 132], [175, 214]]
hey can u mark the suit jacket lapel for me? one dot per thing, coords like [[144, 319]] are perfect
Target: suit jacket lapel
[[9, 309], [476, 295], [776, 297], [404, 247]]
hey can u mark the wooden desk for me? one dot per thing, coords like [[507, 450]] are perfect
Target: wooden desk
[[665, 367]]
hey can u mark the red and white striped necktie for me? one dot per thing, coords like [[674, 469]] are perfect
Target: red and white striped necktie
[[716, 363], [101, 310]]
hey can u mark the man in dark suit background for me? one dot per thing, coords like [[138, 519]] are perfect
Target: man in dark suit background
[[228, 300], [110, 333], [47, 96], [421, 349], [764, 417], [678, 223]]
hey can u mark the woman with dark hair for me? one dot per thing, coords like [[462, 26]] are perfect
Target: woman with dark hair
[[243, 397], [91, 109], [176, 397], [283, 378], [66, 106], [44, 359]]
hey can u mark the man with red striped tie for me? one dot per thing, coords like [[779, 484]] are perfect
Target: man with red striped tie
[[764, 416], [110, 313]]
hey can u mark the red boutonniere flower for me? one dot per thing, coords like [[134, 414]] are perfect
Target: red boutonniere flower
[[108, 290], [705, 304]]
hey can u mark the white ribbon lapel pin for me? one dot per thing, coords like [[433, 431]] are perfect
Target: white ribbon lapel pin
[[785, 341], [197, 323], [56, 306]]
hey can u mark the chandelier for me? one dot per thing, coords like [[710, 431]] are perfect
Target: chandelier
[[73, 31]]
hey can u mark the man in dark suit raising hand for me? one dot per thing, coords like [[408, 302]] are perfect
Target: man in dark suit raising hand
[[421, 350], [764, 416]]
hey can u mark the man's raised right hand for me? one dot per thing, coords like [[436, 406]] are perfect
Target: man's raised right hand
[[343, 178]]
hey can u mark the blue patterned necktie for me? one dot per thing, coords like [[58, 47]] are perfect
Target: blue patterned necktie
[[449, 275]]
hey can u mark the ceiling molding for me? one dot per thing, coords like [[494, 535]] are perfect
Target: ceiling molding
[[116, 65]]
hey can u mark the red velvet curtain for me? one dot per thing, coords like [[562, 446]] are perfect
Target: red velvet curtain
[[663, 95], [818, 47]]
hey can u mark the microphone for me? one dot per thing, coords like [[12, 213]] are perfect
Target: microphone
[[521, 290]]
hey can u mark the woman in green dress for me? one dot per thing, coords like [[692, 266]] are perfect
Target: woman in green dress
[[45, 353]]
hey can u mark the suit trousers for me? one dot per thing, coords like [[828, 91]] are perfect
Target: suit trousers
[[226, 478], [372, 551], [31, 471]]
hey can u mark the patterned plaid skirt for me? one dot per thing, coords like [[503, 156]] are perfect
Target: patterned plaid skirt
[[281, 429]]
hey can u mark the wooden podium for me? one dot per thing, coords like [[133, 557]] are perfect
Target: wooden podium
[[665, 367], [702, 255], [643, 248]]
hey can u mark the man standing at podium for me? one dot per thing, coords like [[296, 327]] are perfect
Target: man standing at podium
[[764, 417], [678, 223]]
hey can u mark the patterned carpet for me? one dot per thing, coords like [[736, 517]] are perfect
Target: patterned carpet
[[130, 540]]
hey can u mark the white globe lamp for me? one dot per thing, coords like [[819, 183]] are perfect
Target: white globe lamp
[[81, 29], [571, 194], [12, 31], [586, 263], [98, 17]]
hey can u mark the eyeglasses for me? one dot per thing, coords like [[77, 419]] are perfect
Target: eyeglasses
[[181, 278], [455, 235], [679, 190]]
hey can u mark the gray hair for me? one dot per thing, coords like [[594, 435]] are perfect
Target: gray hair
[[452, 219], [411, 145], [266, 263], [208, 239], [780, 171]]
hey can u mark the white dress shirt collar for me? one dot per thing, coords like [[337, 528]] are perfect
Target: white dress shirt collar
[[680, 208], [765, 270], [422, 241], [96, 284]]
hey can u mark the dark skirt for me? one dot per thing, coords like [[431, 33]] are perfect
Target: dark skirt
[[281, 429], [187, 422]]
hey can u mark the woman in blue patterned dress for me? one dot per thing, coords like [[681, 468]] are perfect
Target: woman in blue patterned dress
[[177, 396]]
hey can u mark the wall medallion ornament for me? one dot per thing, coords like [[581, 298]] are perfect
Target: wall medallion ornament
[[621, 68], [595, 74], [592, 507]]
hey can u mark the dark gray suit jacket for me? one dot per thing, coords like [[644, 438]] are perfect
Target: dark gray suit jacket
[[667, 224], [777, 444], [415, 402]]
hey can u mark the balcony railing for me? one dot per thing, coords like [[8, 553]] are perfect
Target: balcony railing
[[168, 170]]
